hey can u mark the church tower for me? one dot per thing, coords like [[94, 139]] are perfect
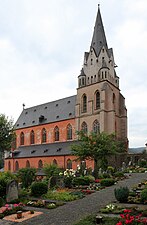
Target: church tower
[[100, 107]]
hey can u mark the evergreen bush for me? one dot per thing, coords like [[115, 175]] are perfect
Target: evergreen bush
[[107, 182], [121, 194], [38, 189], [143, 195], [81, 181]]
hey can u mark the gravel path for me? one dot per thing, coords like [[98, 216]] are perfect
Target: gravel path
[[74, 211]]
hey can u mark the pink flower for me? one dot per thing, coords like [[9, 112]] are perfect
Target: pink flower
[[119, 223]]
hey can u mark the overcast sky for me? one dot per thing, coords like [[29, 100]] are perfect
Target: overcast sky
[[42, 44]]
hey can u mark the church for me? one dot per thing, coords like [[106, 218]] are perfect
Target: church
[[45, 133]]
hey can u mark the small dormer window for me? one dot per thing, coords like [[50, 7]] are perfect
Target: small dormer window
[[26, 113], [68, 102], [56, 105], [24, 123], [45, 107], [57, 117], [41, 118], [34, 110]]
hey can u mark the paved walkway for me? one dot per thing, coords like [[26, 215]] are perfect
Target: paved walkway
[[74, 211]]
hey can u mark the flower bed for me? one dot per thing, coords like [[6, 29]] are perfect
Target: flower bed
[[9, 209]]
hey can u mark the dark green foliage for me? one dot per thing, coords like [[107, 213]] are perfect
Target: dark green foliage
[[1, 215], [142, 163], [26, 176], [143, 195], [81, 181], [122, 194], [5, 177], [1, 201], [68, 181], [38, 189], [51, 170], [6, 133], [107, 182], [91, 220], [96, 147], [118, 174]]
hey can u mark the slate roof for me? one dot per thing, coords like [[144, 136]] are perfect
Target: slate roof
[[58, 110], [99, 38], [44, 150]]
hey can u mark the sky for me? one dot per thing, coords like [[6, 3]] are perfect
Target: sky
[[42, 44]]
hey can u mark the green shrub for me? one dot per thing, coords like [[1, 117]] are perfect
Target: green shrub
[[60, 196], [51, 170], [68, 181], [39, 188], [26, 176], [107, 182], [51, 206], [122, 194], [143, 195], [142, 163], [118, 174], [81, 181]]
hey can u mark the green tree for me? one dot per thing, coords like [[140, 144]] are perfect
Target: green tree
[[6, 134], [95, 147], [26, 176], [51, 170]]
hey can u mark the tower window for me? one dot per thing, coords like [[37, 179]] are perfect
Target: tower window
[[84, 127], [91, 61], [97, 100], [96, 127], [84, 103]]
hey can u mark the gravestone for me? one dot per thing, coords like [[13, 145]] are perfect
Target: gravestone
[[52, 182], [60, 182], [12, 191]]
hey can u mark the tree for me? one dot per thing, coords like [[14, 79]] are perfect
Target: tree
[[95, 147], [26, 176], [6, 134]]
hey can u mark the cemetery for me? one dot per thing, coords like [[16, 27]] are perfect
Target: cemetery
[[24, 195]]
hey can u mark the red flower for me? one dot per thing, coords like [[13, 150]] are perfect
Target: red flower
[[119, 223], [127, 211]]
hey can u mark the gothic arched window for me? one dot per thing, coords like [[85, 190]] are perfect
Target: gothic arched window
[[32, 137], [40, 164], [43, 135], [22, 138], [9, 166], [84, 103], [96, 127], [27, 164], [16, 166], [69, 132], [97, 100], [55, 162], [56, 133], [69, 164], [84, 127]]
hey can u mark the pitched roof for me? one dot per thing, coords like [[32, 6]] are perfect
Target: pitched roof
[[47, 113], [99, 38], [44, 150]]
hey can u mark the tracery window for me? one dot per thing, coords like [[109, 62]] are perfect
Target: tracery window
[[84, 127], [69, 132], [97, 100], [56, 133], [32, 137], [22, 138], [96, 127], [43, 135]]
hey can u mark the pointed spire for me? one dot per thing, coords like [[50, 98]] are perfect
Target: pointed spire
[[99, 38]]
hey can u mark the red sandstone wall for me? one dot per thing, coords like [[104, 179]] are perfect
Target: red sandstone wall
[[50, 132], [61, 161]]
